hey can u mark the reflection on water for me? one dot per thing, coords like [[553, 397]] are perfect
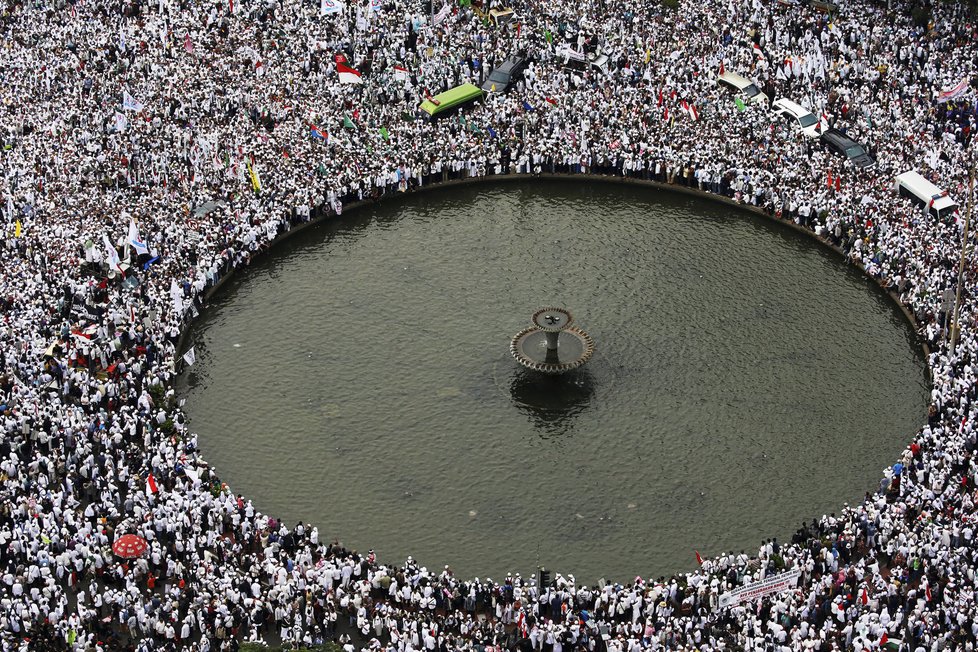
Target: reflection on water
[[552, 401]]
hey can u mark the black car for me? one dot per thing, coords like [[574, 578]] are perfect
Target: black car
[[505, 74], [837, 142]]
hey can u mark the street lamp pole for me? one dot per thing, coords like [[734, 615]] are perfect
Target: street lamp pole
[[955, 327]]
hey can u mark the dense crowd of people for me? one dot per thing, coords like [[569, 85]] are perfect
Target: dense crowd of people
[[151, 146]]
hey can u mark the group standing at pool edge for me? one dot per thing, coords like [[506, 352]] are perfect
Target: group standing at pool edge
[[119, 118]]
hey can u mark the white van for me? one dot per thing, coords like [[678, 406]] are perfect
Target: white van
[[924, 193], [802, 117], [742, 86]]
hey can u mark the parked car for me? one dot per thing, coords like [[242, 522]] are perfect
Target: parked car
[[505, 74], [837, 142], [804, 119], [742, 86]]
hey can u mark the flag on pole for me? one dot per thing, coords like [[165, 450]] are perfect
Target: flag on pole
[[190, 357], [492, 132], [699, 560], [111, 254], [527, 107], [386, 134], [740, 104], [253, 174], [187, 43], [151, 486], [135, 241], [129, 103], [375, 5], [347, 74], [401, 73], [330, 7], [347, 123], [316, 132], [17, 229]]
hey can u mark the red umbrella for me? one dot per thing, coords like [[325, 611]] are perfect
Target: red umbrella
[[129, 546]]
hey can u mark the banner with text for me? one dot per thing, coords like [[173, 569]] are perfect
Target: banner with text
[[757, 590]]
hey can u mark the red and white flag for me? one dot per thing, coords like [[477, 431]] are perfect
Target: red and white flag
[[151, 487], [401, 73], [347, 74], [758, 51], [955, 91]]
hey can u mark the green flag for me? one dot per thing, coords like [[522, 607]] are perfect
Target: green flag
[[740, 104], [72, 635], [462, 121], [386, 134], [347, 123], [548, 36]]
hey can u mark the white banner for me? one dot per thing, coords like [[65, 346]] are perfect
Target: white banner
[[757, 590], [442, 14]]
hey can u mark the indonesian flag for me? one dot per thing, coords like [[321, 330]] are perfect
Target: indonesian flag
[[721, 66], [401, 73], [864, 597], [85, 335], [690, 110], [929, 596], [758, 51], [347, 74], [955, 91], [151, 487], [660, 97], [699, 560]]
